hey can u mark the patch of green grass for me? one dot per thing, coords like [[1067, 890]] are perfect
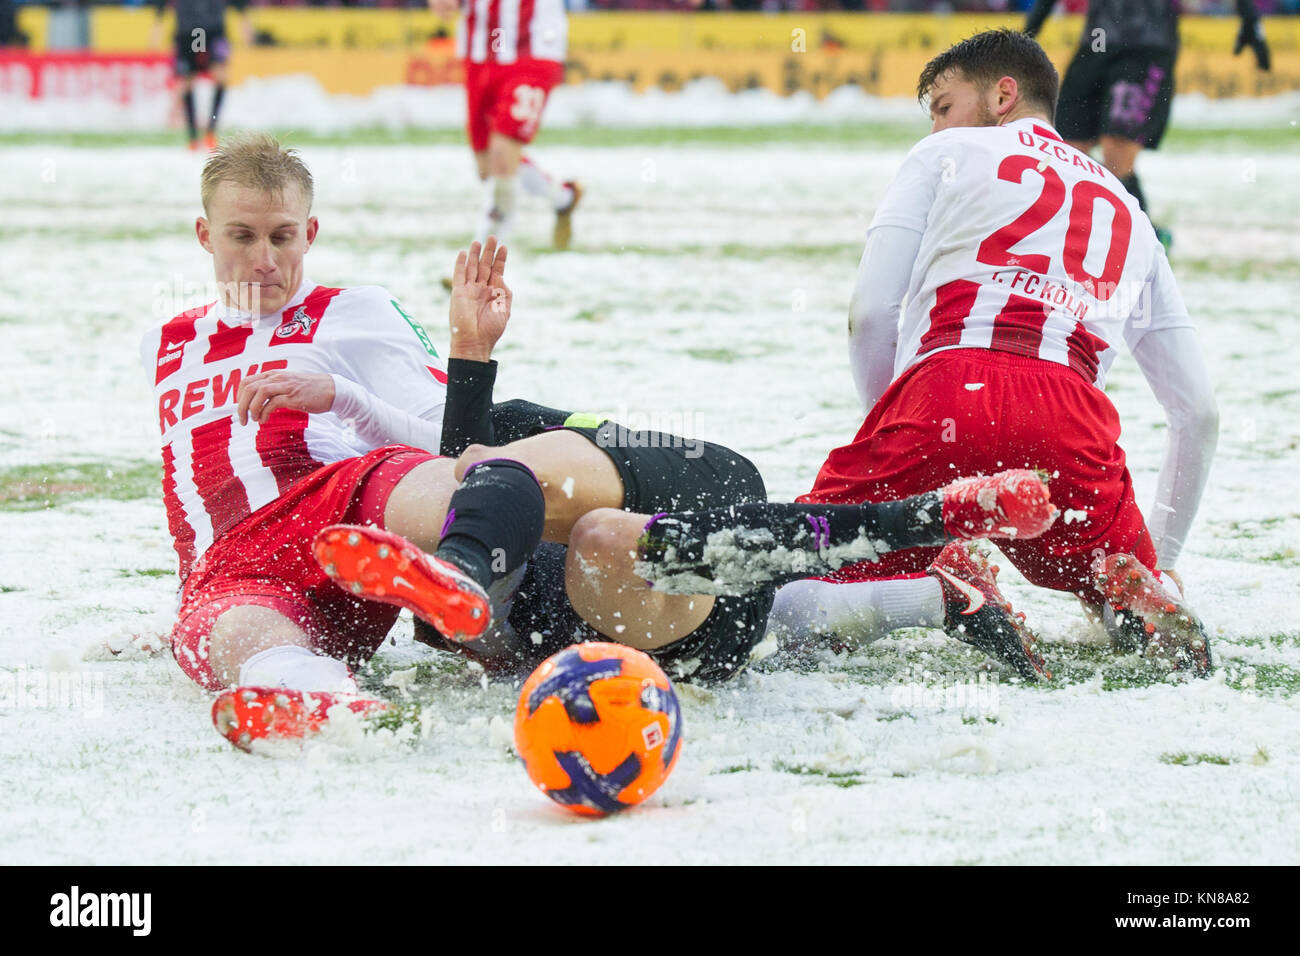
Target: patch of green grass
[[736, 768], [839, 778], [1191, 760], [715, 355], [145, 573], [1237, 269], [889, 133], [37, 487], [1265, 679], [1287, 556], [399, 715], [88, 235]]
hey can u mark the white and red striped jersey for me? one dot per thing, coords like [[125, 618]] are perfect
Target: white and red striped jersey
[[504, 31], [1027, 246], [217, 472]]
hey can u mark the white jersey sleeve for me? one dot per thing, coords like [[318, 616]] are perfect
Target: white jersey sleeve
[[874, 309], [910, 195], [400, 380], [1175, 367]]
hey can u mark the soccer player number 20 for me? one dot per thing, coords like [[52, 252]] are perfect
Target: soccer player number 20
[[996, 249]]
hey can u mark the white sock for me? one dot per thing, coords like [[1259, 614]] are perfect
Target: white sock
[[296, 668], [862, 611], [498, 214], [538, 182]]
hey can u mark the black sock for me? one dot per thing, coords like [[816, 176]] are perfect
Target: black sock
[[494, 520], [216, 105], [910, 523], [1133, 186], [866, 531], [188, 100]]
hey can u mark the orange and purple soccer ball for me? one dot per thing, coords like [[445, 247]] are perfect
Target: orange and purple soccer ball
[[598, 727]]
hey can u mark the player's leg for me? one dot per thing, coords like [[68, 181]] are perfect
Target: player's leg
[[575, 475], [513, 105], [1081, 100], [1119, 155], [258, 652], [731, 550], [860, 611], [220, 56], [442, 544], [1139, 92], [497, 217], [581, 468], [563, 197], [604, 588], [700, 638], [185, 90]]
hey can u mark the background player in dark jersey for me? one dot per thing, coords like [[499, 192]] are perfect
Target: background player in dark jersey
[[1120, 84], [200, 45]]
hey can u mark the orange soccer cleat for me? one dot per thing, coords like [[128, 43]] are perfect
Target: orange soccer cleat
[[1151, 619], [210, 141], [1009, 504], [382, 566], [246, 714]]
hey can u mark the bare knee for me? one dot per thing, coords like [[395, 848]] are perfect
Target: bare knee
[[603, 535], [471, 456], [245, 630]]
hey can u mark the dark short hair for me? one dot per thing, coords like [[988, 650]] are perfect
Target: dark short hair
[[987, 57]]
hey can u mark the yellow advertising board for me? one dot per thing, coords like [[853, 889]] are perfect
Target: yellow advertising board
[[357, 50]]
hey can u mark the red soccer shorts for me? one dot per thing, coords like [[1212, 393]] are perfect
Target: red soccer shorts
[[266, 560], [971, 411], [508, 98]]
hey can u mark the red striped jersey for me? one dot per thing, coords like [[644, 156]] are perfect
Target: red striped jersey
[[216, 472], [1027, 246], [504, 31]]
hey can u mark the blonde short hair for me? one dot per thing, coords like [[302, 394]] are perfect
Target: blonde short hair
[[257, 161]]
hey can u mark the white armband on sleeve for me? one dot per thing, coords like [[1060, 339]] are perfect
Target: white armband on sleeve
[[378, 423], [1174, 365]]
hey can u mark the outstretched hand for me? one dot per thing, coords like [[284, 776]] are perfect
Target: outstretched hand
[[480, 301]]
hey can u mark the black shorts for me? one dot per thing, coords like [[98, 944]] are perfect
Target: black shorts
[[547, 623], [663, 472], [660, 472], [1125, 94], [213, 49]]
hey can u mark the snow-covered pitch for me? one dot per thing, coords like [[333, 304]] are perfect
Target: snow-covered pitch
[[706, 293]]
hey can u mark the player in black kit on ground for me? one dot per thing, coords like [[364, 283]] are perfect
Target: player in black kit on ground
[[200, 45], [1120, 84]]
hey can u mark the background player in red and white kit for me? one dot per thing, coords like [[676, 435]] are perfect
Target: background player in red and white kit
[[1002, 271], [513, 52]]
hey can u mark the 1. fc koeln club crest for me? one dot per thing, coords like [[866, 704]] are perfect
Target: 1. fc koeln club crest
[[300, 324]]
